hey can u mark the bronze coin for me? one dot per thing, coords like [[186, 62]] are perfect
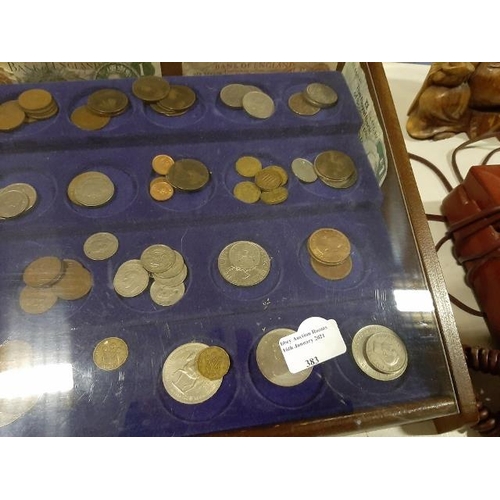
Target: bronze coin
[[213, 362], [11, 116], [248, 166], [333, 273], [162, 163], [274, 197], [334, 166], [188, 175], [150, 88], [160, 189], [44, 271], [180, 98], [35, 100], [85, 119], [165, 112], [75, 283], [108, 102], [282, 173], [329, 246], [37, 300], [247, 192]]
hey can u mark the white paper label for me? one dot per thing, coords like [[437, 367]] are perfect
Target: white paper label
[[317, 340]]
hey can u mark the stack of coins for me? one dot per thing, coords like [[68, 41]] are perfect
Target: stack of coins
[[312, 99], [91, 189], [16, 199], [253, 100], [379, 352], [194, 372], [100, 246], [162, 97], [268, 184], [100, 108], [161, 264], [48, 279], [244, 263], [330, 253]]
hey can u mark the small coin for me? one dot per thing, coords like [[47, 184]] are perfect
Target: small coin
[[304, 170], [172, 281], [188, 175], [158, 258], [165, 295], [247, 192], [281, 172], [268, 179], [258, 104], [333, 273], [13, 202], [232, 95], [35, 100], [162, 163], [334, 166], [180, 98], [386, 352], [160, 189], [110, 353], [274, 197], [131, 279], [321, 95], [100, 246], [37, 300], [85, 119], [213, 362], [298, 104], [175, 270], [75, 283], [108, 102], [11, 116], [271, 361], [181, 378], [248, 166], [43, 272], [27, 189], [329, 246], [91, 189], [150, 88]]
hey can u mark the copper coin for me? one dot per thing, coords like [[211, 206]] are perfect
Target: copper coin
[[334, 166], [274, 197], [298, 104], [188, 175], [162, 163], [150, 88], [85, 119], [333, 273], [75, 283], [35, 100], [108, 102], [37, 300], [329, 246], [213, 362], [11, 116], [43, 271], [161, 190], [180, 98]]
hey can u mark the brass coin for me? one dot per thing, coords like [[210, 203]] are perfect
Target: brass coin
[[75, 283], [162, 163], [158, 258], [213, 362], [45, 113], [274, 197], [248, 166], [131, 279], [247, 192], [321, 95], [85, 119], [165, 295], [37, 300], [268, 179], [329, 246], [91, 189], [180, 98], [334, 166], [43, 272], [109, 354], [161, 190], [150, 88], [282, 173], [188, 175], [332, 273], [13, 202], [27, 189], [11, 116], [100, 246], [35, 100], [108, 102], [300, 106]]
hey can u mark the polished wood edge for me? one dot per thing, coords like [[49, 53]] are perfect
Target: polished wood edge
[[396, 151]]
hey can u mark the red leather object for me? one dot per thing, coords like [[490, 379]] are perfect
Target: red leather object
[[472, 211]]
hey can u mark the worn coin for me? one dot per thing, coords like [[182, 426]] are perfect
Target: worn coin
[[248, 166], [181, 378], [329, 246], [43, 272], [150, 88], [333, 273], [188, 174], [271, 361], [334, 165], [110, 353], [213, 362], [162, 163], [173, 280], [100, 246], [110, 102], [281, 172], [160, 189], [247, 192], [258, 104], [13, 202], [344, 184], [165, 295], [175, 270], [75, 283], [298, 104], [304, 170], [179, 98], [37, 300], [131, 279], [166, 112], [386, 352], [158, 258], [85, 119], [27, 189], [275, 196], [321, 95], [91, 189], [232, 95], [35, 99], [11, 116], [268, 179]]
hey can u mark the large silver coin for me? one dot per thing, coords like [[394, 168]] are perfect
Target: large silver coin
[[258, 104], [100, 246], [321, 95], [304, 170], [393, 357], [165, 295], [12, 203], [244, 263], [181, 378], [158, 258], [271, 361], [131, 279], [386, 352]]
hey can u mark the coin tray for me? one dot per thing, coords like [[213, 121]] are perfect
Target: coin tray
[[132, 399]]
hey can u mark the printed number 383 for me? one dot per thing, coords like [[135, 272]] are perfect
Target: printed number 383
[[312, 361]]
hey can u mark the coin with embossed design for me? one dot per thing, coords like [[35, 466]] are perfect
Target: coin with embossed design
[[275, 196], [258, 105], [166, 295], [91, 189], [110, 353], [162, 163], [160, 189], [299, 105], [320, 95], [13, 202], [175, 270], [158, 258], [131, 279], [109, 102], [150, 88], [188, 174], [100, 246], [85, 119], [37, 300], [213, 362], [329, 246], [247, 192], [43, 271]]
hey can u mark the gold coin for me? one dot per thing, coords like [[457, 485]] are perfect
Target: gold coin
[[268, 179], [188, 175], [44, 113], [85, 119], [11, 116], [180, 98], [333, 273], [37, 300], [35, 100], [161, 190], [162, 163], [329, 246], [247, 192], [150, 88], [13, 202], [299, 105], [213, 362], [248, 166], [108, 102], [43, 272], [75, 283], [282, 173], [109, 354], [274, 197]]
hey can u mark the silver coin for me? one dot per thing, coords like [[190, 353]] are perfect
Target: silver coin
[[258, 104], [271, 361], [93, 189], [12, 203], [158, 258], [173, 280], [176, 268], [165, 295], [27, 189], [181, 378], [244, 263], [232, 95], [299, 105], [386, 352], [100, 246], [131, 279], [359, 353], [304, 170], [321, 95]]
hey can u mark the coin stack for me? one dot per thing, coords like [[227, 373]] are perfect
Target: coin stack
[[268, 183], [379, 352], [162, 97], [244, 263], [91, 189], [165, 266], [330, 253], [100, 108], [48, 279], [312, 99], [253, 100], [16, 199]]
